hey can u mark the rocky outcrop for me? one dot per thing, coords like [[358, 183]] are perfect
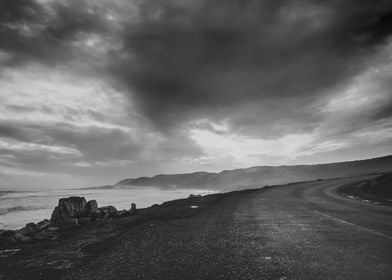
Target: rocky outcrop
[[70, 212], [73, 211], [29, 233]]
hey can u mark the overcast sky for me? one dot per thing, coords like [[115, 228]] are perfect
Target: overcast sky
[[92, 92]]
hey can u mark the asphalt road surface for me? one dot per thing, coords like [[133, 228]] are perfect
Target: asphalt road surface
[[299, 231]]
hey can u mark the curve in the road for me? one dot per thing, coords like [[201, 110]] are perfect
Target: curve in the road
[[297, 231]]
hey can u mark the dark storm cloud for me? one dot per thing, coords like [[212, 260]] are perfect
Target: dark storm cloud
[[30, 31], [181, 60], [208, 58]]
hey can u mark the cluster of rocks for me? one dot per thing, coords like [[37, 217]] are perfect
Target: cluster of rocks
[[39, 231], [70, 212], [73, 211]]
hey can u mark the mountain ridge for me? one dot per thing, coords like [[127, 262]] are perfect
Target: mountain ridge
[[257, 176]]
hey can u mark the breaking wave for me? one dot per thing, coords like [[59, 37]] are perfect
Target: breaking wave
[[4, 211]]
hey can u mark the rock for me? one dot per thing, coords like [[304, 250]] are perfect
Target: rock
[[111, 210], [29, 230], [97, 215], [92, 206], [22, 238], [73, 211], [42, 225], [122, 213], [194, 196], [72, 207], [68, 211], [7, 237], [56, 216]]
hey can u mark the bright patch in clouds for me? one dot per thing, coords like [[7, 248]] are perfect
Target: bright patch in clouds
[[247, 150], [12, 145], [368, 91], [41, 95]]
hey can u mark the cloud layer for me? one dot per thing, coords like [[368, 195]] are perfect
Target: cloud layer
[[105, 89]]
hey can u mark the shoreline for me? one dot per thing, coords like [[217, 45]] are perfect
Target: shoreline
[[71, 248], [19, 208]]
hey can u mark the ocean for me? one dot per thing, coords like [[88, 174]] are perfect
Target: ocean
[[17, 208]]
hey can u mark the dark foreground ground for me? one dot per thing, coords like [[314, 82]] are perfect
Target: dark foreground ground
[[297, 231]]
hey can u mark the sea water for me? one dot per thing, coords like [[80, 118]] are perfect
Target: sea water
[[20, 207]]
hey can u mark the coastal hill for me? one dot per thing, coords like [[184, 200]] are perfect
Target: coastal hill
[[263, 175]]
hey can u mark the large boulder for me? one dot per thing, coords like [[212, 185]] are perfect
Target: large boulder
[[75, 210], [68, 211], [92, 206], [73, 206]]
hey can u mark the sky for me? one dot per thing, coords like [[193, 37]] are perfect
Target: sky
[[92, 92]]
